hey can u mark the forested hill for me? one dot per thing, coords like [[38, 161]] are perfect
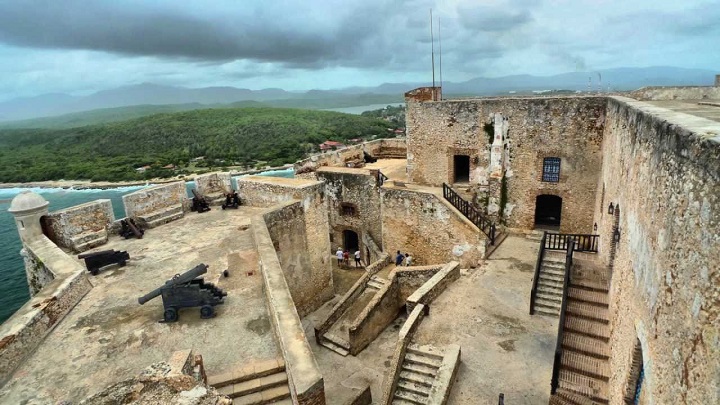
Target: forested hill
[[240, 137]]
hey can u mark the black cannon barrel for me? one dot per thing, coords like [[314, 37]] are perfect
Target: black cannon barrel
[[177, 279], [93, 254]]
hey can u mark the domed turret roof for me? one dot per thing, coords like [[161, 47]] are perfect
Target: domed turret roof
[[27, 201]]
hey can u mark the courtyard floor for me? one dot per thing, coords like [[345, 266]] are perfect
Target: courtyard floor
[[109, 337]]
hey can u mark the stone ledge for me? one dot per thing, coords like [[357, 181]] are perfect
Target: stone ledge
[[433, 287], [404, 338]]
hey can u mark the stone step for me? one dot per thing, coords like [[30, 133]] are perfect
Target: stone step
[[161, 213], [91, 243], [587, 328], [417, 378], [553, 264], [399, 401], [421, 360], [549, 294], [413, 387], [546, 303], [246, 372], [550, 285], [429, 351], [591, 285], [586, 345], [88, 236], [552, 277], [421, 369], [337, 348], [553, 272], [585, 386], [268, 396], [563, 397], [590, 297], [376, 283], [547, 312], [249, 387], [409, 396], [587, 311], [586, 365]]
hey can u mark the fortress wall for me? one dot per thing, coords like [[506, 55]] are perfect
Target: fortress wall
[[663, 169], [67, 224], [154, 199], [353, 156], [357, 187], [570, 128], [307, 386], [287, 227], [390, 148], [262, 191], [65, 287], [677, 93], [213, 183], [422, 224]]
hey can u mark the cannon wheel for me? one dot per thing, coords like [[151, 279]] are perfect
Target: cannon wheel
[[94, 272], [171, 315], [206, 311]]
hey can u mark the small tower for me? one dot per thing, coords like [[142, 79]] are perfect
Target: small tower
[[717, 80], [27, 208]]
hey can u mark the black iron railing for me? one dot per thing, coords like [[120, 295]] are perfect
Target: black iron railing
[[470, 212], [563, 307], [533, 292], [561, 241]]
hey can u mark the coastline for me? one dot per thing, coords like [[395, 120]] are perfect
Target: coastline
[[104, 185]]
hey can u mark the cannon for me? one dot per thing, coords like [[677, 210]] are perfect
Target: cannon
[[187, 290], [232, 200], [128, 229], [95, 261], [199, 202]]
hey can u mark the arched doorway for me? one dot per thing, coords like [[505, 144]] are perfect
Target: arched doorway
[[350, 241], [548, 210]]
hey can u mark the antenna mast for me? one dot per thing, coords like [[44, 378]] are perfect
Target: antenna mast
[[440, 50], [432, 47]]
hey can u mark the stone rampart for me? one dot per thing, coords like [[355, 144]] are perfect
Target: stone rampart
[[156, 205], [304, 377], [569, 128], [404, 338], [353, 156], [426, 226], [26, 329], [662, 168], [80, 227], [261, 191], [676, 93], [432, 288], [214, 186]]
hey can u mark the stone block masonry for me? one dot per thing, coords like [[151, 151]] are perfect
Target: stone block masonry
[[80, 227], [156, 205], [662, 169]]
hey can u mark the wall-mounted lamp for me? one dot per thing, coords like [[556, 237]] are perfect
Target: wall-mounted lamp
[[616, 235], [595, 227], [611, 209]]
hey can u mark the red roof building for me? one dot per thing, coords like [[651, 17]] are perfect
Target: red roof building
[[330, 145]]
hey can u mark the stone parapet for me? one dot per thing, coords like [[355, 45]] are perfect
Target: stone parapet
[[304, 377], [677, 93], [353, 156], [433, 287], [154, 204], [80, 227], [26, 329]]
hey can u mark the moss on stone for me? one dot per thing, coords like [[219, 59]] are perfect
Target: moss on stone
[[489, 129]]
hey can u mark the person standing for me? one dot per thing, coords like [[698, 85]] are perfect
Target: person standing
[[346, 257], [408, 259], [339, 255], [399, 259], [357, 258]]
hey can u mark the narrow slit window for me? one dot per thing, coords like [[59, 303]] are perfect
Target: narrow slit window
[[551, 169], [348, 209]]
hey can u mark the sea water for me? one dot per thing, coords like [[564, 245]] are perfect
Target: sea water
[[14, 290]]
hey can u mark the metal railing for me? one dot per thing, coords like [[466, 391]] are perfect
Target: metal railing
[[538, 265], [563, 307], [561, 241], [481, 221]]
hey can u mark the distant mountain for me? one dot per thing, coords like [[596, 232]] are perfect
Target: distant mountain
[[154, 94]]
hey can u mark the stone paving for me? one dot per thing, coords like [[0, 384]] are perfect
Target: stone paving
[[109, 337]]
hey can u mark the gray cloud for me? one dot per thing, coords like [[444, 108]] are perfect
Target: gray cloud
[[492, 19]]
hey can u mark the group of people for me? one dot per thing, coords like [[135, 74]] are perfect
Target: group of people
[[343, 257], [403, 259]]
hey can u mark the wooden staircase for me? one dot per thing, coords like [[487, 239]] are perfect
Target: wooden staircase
[[257, 383], [584, 368], [426, 375]]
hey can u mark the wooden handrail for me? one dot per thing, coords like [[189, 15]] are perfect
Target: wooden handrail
[[563, 307], [476, 217], [533, 292]]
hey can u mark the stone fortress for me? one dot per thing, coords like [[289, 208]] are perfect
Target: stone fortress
[[564, 251]]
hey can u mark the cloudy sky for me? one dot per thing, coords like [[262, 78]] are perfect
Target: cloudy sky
[[81, 46]]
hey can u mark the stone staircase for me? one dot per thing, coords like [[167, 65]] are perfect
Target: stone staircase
[[88, 240], [160, 217], [376, 283], [584, 368], [335, 343], [548, 299], [426, 375], [262, 382], [215, 199]]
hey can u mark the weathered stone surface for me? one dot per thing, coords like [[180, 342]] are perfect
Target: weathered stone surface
[[149, 201], [68, 226]]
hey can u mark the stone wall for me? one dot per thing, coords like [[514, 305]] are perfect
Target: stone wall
[[677, 93], [382, 309], [73, 227], [356, 188], [26, 329], [663, 170], [570, 128], [261, 191], [154, 199], [429, 228], [287, 227], [213, 183], [305, 380], [353, 156]]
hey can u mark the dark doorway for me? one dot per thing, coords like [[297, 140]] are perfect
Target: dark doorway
[[548, 209], [461, 164], [350, 241], [47, 228]]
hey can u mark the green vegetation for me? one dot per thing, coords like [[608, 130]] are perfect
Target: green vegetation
[[393, 114], [224, 137]]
